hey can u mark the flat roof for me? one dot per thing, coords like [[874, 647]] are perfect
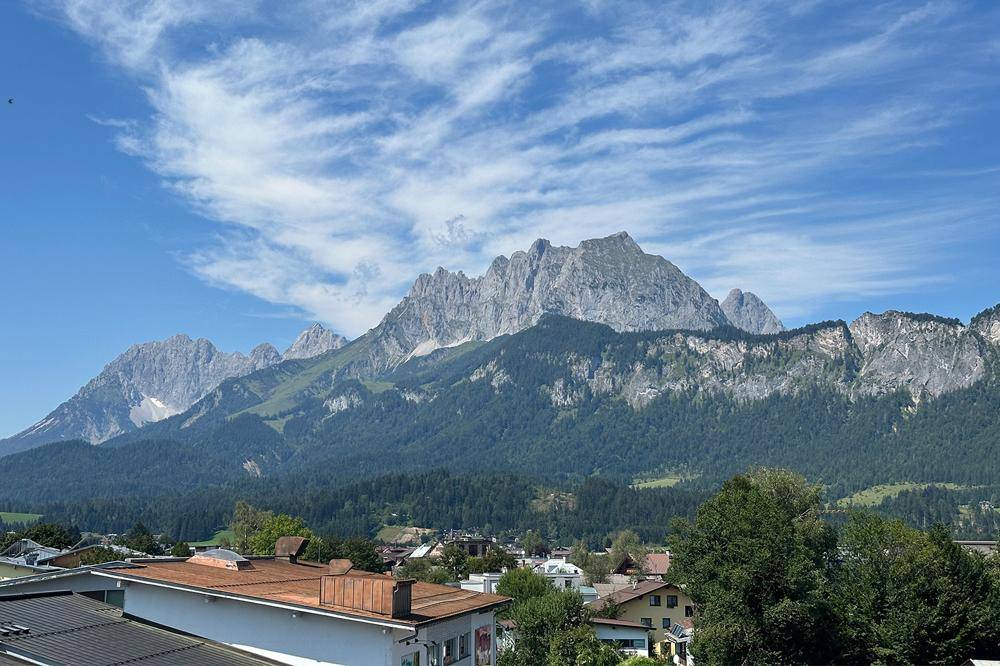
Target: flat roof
[[298, 585]]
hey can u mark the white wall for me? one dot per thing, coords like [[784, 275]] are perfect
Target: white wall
[[439, 632], [606, 632], [305, 640]]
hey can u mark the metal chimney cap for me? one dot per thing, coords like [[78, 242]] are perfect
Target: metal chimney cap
[[290, 546]]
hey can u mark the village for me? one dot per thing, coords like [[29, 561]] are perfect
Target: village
[[438, 598], [284, 609]]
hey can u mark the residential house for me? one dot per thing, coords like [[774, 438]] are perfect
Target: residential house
[[474, 546], [563, 575], [629, 638], [675, 648], [654, 565], [293, 612], [655, 604]]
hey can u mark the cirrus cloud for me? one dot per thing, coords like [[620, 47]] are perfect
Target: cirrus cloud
[[336, 149]]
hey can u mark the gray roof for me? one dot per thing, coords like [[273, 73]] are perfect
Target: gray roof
[[65, 628], [52, 573]]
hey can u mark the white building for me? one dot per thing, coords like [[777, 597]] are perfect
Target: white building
[[294, 612], [629, 638], [563, 574]]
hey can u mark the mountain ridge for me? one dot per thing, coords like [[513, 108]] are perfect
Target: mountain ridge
[[573, 398], [152, 381]]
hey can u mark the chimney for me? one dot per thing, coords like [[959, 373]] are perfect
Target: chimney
[[373, 594], [290, 548], [340, 567]]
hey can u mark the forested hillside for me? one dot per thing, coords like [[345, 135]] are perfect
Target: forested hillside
[[492, 408], [555, 403]]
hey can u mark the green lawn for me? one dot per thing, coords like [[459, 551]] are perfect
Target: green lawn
[[11, 517], [668, 481], [401, 534], [218, 536], [874, 495]]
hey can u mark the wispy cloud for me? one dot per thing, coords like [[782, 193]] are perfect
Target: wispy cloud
[[336, 149]]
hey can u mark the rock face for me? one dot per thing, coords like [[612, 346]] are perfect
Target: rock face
[[149, 382], [607, 280], [922, 353], [877, 354], [153, 381], [746, 311], [987, 324], [314, 341]]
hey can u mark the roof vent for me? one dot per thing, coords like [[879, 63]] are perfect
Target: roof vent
[[340, 567], [290, 547], [9, 629], [221, 558]]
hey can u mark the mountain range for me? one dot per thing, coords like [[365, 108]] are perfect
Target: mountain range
[[609, 280], [154, 380], [599, 359]]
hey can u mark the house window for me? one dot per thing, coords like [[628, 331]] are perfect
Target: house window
[[434, 655], [568, 583], [449, 651], [464, 641], [671, 601], [646, 622], [667, 623], [654, 600], [689, 611], [412, 659]]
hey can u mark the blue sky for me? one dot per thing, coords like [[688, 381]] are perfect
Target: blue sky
[[236, 170]]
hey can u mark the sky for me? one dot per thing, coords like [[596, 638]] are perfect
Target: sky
[[236, 170]]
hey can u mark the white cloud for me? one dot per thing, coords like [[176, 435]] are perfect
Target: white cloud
[[338, 149]]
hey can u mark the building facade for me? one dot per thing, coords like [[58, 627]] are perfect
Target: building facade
[[296, 612], [654, 604]]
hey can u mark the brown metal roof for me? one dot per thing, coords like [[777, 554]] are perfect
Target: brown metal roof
[[298, 584], [614, 622], [657, 564], [629, 593]]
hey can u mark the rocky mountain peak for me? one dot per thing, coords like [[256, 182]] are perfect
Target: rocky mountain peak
[[748, 312], [314, 341], [607, 280], [151, 381], [620, 241], [264, 355], [987, 324]]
